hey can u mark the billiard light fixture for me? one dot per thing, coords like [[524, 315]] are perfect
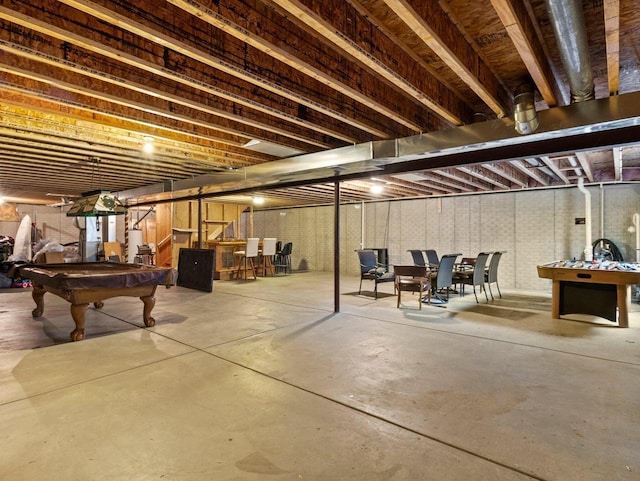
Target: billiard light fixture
[[96, 204]]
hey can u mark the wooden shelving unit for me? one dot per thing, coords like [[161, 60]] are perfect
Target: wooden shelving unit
[[219, 227]]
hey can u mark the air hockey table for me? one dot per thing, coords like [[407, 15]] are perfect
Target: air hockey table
[[600, 289]]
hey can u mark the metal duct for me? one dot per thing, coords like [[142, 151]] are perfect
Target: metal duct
[[525, 115], [601, 123], [567, 20]]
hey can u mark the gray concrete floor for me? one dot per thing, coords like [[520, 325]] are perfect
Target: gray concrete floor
[[261, 380]]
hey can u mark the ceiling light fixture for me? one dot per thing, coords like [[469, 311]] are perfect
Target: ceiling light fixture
[[97, 204], [376, 188], [258, 200], [147, 146]]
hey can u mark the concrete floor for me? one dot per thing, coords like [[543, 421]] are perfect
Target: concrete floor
[[260, 380]]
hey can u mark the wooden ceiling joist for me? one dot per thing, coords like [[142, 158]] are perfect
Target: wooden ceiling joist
[[585, 165], [612, 35], [432, 25], [115, 132], [266, 51], [516, 21], [82, 37], [224, 86], [531, 172], [330, 20], [506, 173], [553, 166], [483, 176]]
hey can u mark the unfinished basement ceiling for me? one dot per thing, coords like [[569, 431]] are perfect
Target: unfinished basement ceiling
[[221, 88]]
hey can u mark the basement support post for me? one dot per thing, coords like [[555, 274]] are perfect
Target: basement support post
[[199, 223], [336, 247]]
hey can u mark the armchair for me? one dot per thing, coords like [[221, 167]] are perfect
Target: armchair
[[476, 277], [432, 257], [444, 277], [418, 258], [412, 279], [371, 270], [491, 274]]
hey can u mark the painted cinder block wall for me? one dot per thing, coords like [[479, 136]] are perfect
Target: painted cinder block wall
[[533, 227]]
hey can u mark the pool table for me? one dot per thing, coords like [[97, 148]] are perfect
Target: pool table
[[83, 283]]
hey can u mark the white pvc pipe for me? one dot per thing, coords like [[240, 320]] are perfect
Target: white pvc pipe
[[636, 223], [135, 240], [588, 249], [362, 226], [601, 236]]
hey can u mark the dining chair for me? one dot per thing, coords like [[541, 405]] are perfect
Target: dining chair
[[432, 257], [371, 269], [418, 258], [246, 257], [443, 278], [412, 279], [476, 276], [491, 274], [268, 252]]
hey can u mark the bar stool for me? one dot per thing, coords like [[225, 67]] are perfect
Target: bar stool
[[268, 251], [283, 258], [247, 257]]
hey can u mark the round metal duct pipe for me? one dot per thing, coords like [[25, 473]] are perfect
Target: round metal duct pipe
[[567, 20], [525, 115]]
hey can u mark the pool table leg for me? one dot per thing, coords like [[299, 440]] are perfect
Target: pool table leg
[[78, 312], [149, 302], [38, 298]]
